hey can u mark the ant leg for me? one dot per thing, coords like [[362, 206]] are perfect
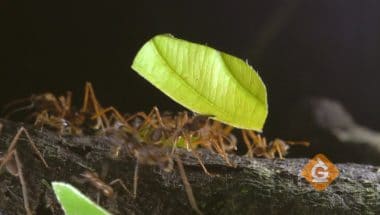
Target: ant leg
[[93, 98], [188, 189], [302, 143], [15, 141], [187, 141], [41, 119], [158, 115], [68, 102], [195, 154], [174, 146], [65, 103], [33, 145], [85, 98], [10, 150], [9, 113], [13, 103], [48, 98], [105, 168], [222, 150], [10, 164], [89, 94], [279, 152], [116, 113], [257, 140], [135, 180], [52, 98], [264, 142], [181, 119], [185, 119], [118, 180], [23, 184], [247, 143], [142, 115], [147, 118], [112, 110], [276, 148], [231, 142], [270, 153]]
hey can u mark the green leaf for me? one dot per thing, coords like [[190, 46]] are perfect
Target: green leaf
[[204, 80], [74, 202]]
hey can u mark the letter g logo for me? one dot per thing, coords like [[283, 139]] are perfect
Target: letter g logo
[[319, 172]]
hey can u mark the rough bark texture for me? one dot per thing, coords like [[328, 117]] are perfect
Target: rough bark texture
[[254, 186]]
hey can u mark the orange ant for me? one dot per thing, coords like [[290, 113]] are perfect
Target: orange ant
[[44, 119], [92, 110], [206, 133], [260, 148], [192, 131], [106, 189], [151, 154], [228, 140], [165, 160], [48, 110], [156, 131], [13, 163], [151, 129], [57, 106], [56, 112], [220, 139]]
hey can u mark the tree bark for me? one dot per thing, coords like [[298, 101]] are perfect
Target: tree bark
[[253, 186]]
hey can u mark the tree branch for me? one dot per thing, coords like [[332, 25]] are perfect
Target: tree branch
[[254, 186]]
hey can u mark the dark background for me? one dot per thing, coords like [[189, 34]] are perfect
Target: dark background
[[301, 48]]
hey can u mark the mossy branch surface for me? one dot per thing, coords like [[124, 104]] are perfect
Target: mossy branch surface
[[254, 186]]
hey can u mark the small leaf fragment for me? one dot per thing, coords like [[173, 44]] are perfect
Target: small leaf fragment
[[74, 202], [204, 80]]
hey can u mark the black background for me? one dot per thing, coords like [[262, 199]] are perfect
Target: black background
[[301, 48]]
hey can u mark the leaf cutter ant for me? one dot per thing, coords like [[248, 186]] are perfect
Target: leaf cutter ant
[[13, 163]]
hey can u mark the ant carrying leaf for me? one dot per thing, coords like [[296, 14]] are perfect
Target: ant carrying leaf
[[205, 80]]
